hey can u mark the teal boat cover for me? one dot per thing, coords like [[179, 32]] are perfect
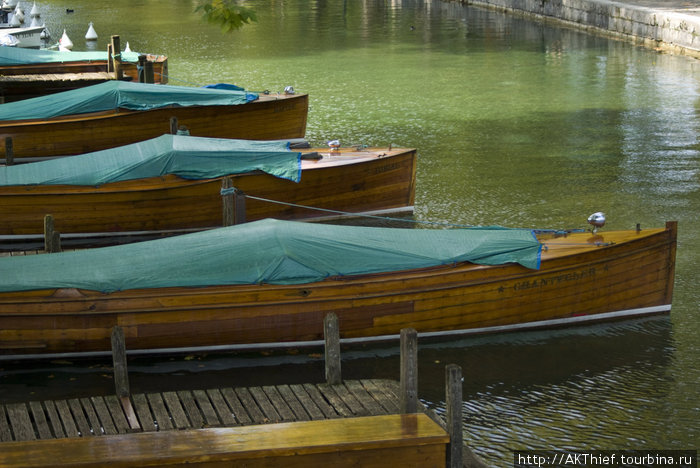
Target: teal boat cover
[[23, 56], [267, 251], [185, 156], [114, 94]]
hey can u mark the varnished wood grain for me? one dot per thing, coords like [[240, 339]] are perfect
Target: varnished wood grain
[[352, 181], [270, 117], [31, 80], [625, 270], [412, 440]]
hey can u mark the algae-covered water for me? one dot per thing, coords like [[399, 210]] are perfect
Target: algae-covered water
[[517, 123]]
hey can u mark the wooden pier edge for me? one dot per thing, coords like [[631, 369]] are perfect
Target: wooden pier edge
[[68, 426]]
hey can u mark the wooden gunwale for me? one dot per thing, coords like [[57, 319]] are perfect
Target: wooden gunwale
[[122, 112], [496, 275]]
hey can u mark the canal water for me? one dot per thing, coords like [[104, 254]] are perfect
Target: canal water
[[518, 124]]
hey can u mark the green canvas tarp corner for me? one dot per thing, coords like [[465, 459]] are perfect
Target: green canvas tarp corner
[[114, 94], [185, 156], [267, 251]]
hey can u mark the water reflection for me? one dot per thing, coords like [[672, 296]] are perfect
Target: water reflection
[[517, 123]]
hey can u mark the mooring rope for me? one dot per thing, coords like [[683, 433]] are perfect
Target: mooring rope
[[232, 190]]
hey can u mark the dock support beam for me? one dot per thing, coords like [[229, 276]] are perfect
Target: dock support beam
[[52, 238], [409, 371], [331, 333]]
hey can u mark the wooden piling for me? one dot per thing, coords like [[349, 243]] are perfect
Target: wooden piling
[[9, 152], [331, 333], [233, 204], [142, 68], [52, 238], [116, 52], [121, 376], [110, 60], [409, 371], [149, 75], [453, 399]]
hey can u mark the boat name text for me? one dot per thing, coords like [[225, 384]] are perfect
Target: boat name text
[[555, 280], [387, 168]]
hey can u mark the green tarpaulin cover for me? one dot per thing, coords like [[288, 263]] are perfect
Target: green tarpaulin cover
[[186, 156], [24, 56], [115, 94], [267, 251]]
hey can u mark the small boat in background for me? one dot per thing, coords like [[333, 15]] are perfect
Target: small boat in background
[[174, 182], [271, 283], [26, 37], [116, 113], [28, 73]]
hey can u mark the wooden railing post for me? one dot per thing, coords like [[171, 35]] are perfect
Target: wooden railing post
[[453, 400], [52, 238], [121, 376], [331, 334], [409, 371], [9, 152]]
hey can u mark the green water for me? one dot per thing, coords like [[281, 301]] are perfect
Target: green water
[[517, 124]]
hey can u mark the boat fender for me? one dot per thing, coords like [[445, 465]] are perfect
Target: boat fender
[[315, 156]]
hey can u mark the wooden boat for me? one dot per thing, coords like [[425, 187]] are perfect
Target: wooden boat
[[25, 76], [68, 123], [25, 37], [143, 187], [272, 282]]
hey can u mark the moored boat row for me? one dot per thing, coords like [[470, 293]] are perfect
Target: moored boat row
[[105, 158]]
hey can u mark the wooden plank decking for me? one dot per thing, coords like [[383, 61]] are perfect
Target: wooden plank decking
[[354, 423], [217, 407]]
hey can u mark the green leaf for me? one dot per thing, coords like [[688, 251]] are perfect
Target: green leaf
[[228, 14]]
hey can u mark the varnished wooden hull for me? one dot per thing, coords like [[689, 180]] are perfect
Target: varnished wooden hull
[[19, 82], [160, 68], [271, 117], [347, 180], [630, 273]]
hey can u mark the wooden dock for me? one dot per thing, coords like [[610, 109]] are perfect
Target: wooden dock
[[178, 410], [354, 423], [344, 423]]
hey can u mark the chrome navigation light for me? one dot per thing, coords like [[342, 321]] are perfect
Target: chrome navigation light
[[597, 220]]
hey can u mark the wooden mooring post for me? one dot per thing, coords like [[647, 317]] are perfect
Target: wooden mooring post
[[453, 400], [331, 334], [233, 204], [409, 371], [146, 73], [9, 152], [52, 238], [115, 50], [121, 374]]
